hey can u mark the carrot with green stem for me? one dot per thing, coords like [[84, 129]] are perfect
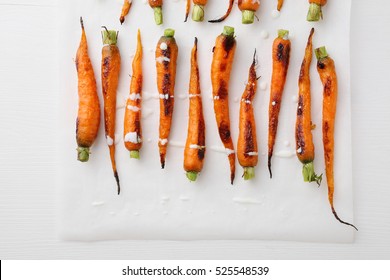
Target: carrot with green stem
[[88, 116], [304, 125], [125, 10], [132, 131], [224, 49], [111, 63], [195, 147], [166, 58], [156, 5], [280, 62], [280, 5], [198, 10], [248, 9], [247, 151], [231, 2], [327, 72], [315, 9]]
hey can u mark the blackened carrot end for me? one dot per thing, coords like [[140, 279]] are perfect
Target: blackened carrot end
[[122, 19], [269, 166], [81, 22], [341, 221], [232, 176], [83, 154], [117, 181], [162, 160]]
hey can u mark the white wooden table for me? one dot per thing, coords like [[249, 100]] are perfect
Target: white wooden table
[[28, 92]]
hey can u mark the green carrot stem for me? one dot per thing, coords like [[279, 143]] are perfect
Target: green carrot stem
[[192, 175], [309, 175], [110, 37], [198, 13], [283, 34], [321, 53], [249, 173], [158, 15], [83, 154], [169, 32], [134, 154], [315, 12], [228, 31], [248, 16]]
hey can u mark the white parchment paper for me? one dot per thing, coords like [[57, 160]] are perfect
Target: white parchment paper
[[162, 204]]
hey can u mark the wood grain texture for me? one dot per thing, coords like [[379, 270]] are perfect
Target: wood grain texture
[[29, 90]]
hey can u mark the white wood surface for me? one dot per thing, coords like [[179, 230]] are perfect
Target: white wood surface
[[29, 89]]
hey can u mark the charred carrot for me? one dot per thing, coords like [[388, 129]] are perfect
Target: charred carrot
[[188, 7], [125, 10], [156, 5], [231, 2], [280, 62], [248, 9], [195, 148], [247, 151], [132, 124], [280, 4], [166, 57], [88, 116], [315, 9], [225, 47], [198, 11], [111, 63], [327, 71], [304, 126]]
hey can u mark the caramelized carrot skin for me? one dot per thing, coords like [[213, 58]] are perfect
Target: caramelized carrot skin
[[221, 67], [200, 2], [280, 57], [194, 156], [88, 117], [251, 5], [133, 112], [166, 59], [280, 4], [247, 151], [155, 3], [303, 126], [327, 72], [231, 2], [318, 2], [125, 10]]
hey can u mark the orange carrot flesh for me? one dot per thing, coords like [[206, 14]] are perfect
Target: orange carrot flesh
[[248, 9], [303, 125], [88, 116], [280, 62], [198, 10], [231, 2], [166, 58], [195, 147], [188, 7], [225, 47], [125, 10], [327, 71], [132, 132], [156, 5], [315, 10], [111, 62], [247, 151], [280, 4]]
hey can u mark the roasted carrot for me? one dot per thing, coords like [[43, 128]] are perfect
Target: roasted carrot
[[188, 7], [315, 9], [166, 57], [248, 9], [280, 62], [231, 2], [88, 116], [303, 125], [195, 147], [327, 71], [111, 63], [125, 10], [132, 131], [224, 49], [157, 8], [198, 11], [280, 4], [247, 151]]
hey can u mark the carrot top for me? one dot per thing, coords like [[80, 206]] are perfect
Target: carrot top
[[109, 37]]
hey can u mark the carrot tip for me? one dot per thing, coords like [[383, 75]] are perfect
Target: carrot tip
[[117, 181], [269, 167], [341, 221], [122, 20], [83, 154], [134, 154], [248, 16], [192, 175], [198, 13], [249, 173], [315, 12]]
